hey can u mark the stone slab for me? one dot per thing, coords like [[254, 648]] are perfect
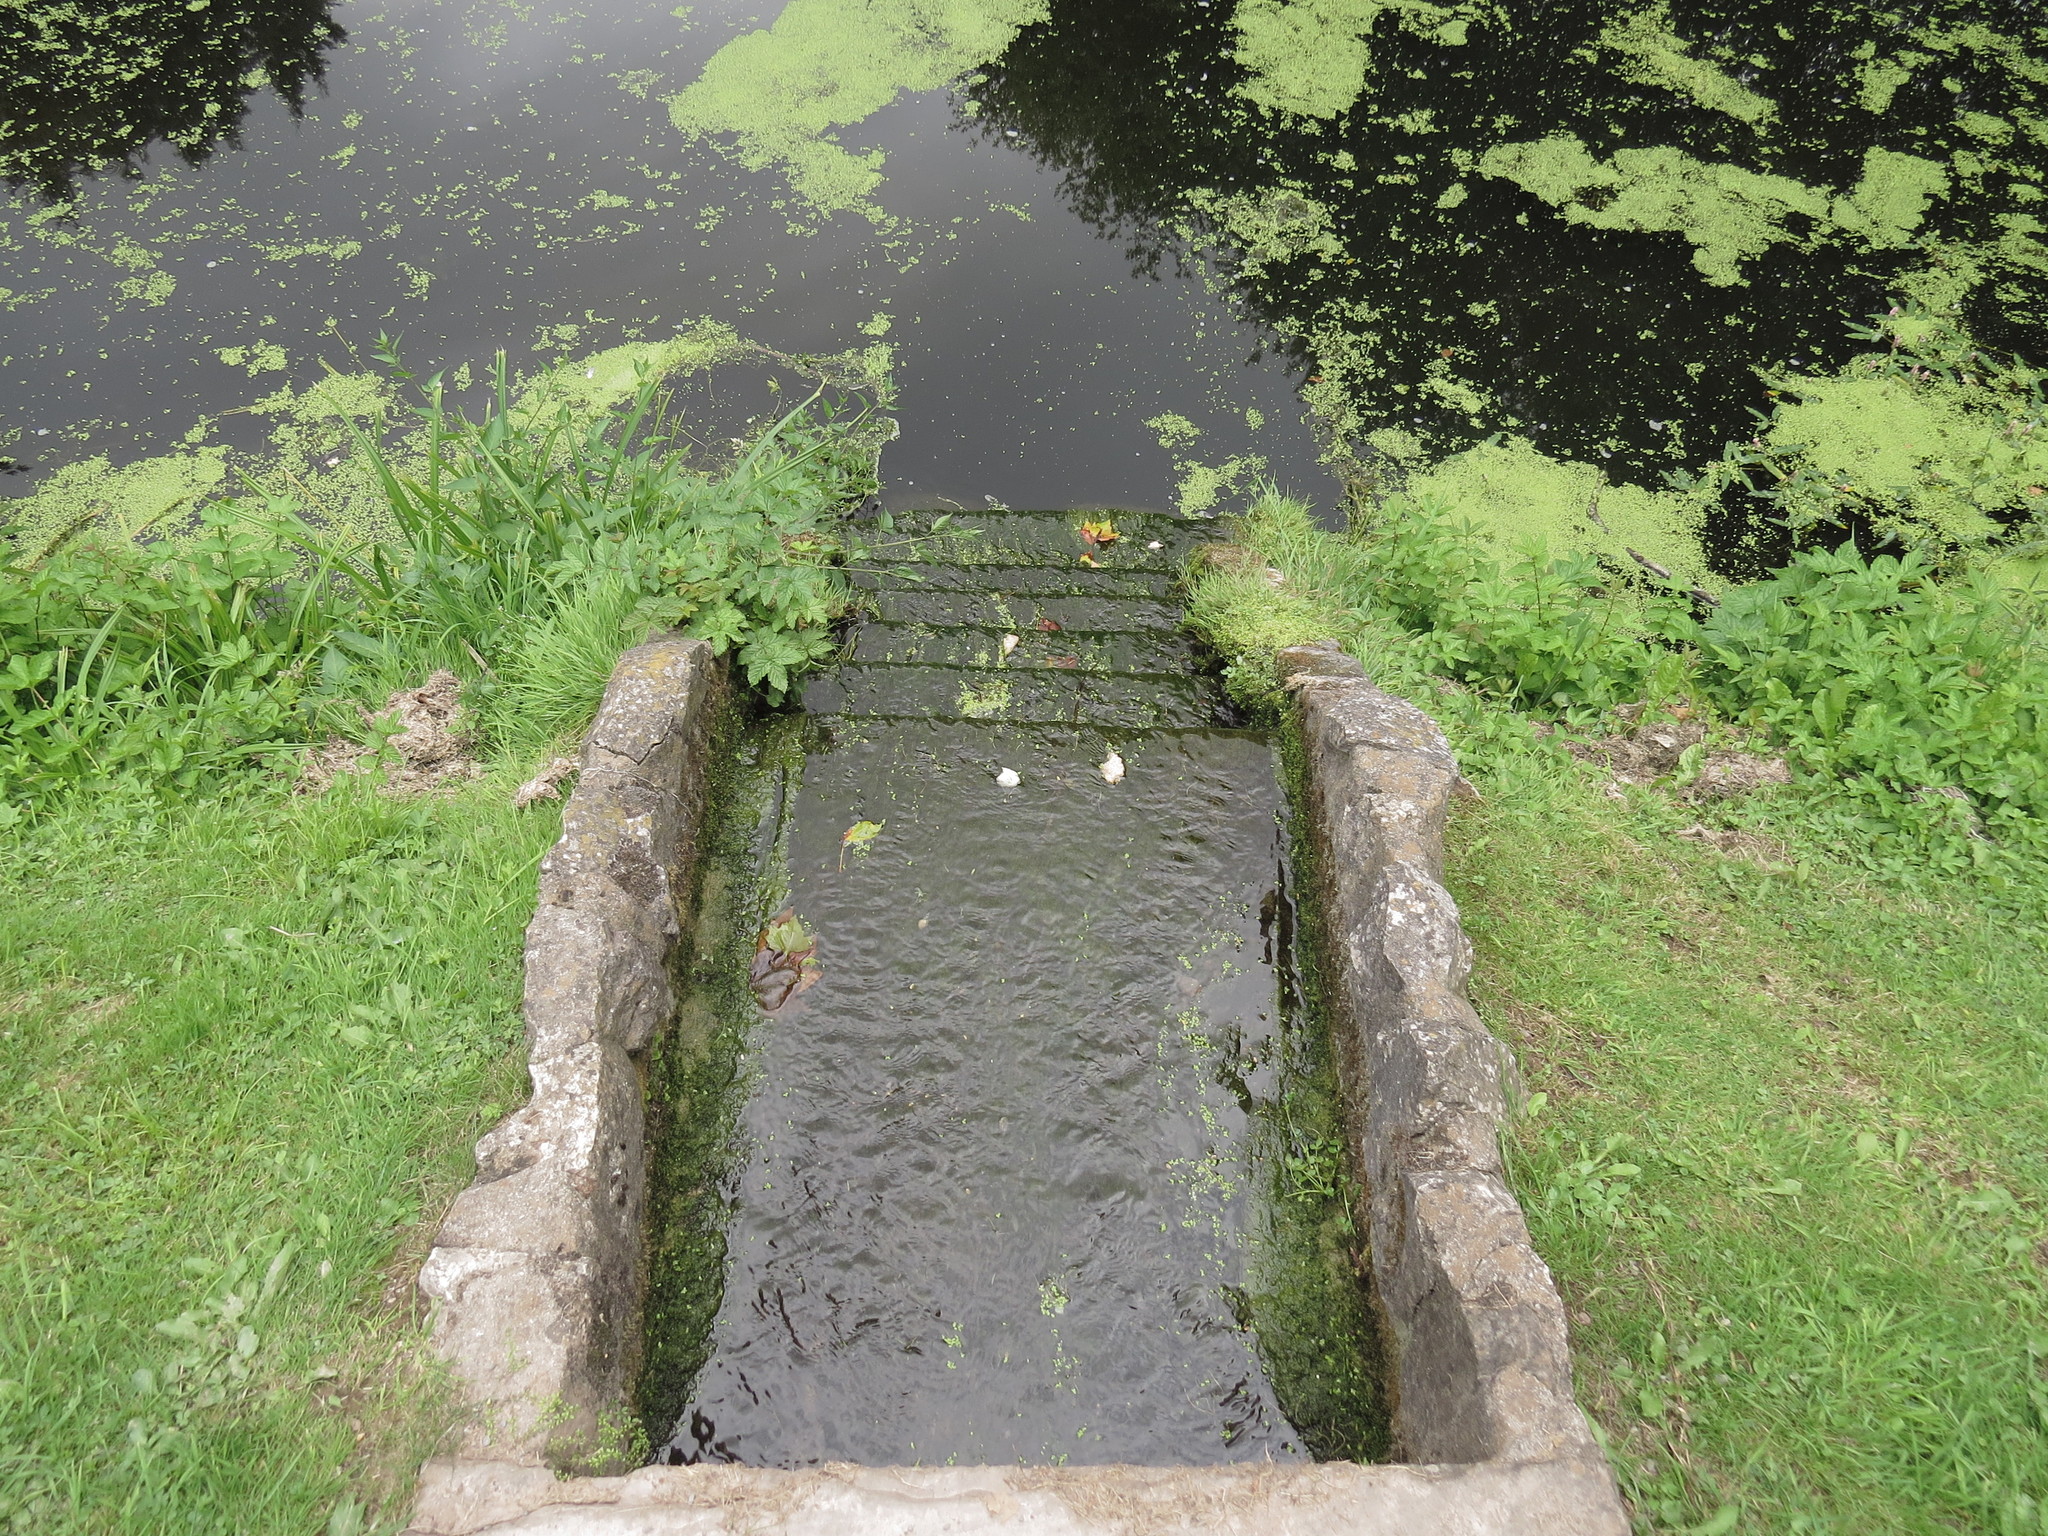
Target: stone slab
[[536, 1273], [1333, 1499]]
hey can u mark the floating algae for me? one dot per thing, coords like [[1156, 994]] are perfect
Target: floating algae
[[784, 92], [1310, 57], [1657, 55], [310, 457], [1729, 214]]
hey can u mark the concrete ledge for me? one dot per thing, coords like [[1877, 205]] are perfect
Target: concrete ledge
[[1335, 1499], [1481, 1360], [537, 1271]]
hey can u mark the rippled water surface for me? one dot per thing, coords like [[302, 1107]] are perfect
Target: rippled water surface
[[998, 1191], [1012, 1183]]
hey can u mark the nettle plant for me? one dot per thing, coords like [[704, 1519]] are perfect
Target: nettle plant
[[1922, 694], [1548, 632]]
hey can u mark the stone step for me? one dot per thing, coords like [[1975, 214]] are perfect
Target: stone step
[[1044, 695], [959, 646], [1018, 580], [1019, 614], [1032, 538]]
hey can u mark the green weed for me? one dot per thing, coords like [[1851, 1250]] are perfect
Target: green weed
[[1911, 709], [532, 545], [1781, 1144]]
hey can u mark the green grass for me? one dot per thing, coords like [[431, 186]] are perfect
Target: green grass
[[1791, 1169], [248, 1038], [240, 1039], [1786, 1152]]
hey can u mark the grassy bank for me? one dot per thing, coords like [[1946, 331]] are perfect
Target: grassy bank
[[252, 1019], [1782, 1143], [249, 1042]]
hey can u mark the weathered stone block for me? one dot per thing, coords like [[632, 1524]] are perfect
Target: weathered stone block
[[537, 1268], [1477, 1332]]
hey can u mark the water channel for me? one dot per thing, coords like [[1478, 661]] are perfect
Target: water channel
[[1019, 1178]]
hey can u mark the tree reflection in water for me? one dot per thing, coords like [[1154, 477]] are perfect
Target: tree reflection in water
[[1450, 303], [94, 84]]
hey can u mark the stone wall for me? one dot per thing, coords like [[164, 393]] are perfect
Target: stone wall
[[1482, 1363], [537, 1270]]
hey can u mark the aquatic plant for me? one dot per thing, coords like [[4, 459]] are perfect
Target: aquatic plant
[[1588, 230]]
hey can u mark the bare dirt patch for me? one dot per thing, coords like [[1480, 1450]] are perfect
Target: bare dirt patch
[[1656, 750], [430, 750]]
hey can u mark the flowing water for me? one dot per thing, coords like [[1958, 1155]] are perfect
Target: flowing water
[[1009, 1168]]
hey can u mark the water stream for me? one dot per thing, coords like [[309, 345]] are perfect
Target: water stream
[[1013, 1179]]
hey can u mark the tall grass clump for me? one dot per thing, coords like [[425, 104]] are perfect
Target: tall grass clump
[[524, 548], [1912, 710]]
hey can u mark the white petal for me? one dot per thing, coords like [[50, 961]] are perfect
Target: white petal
[[1008, 778], [1112, 769]]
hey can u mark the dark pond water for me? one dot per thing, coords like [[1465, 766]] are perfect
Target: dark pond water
[[471, 176], [1589, 225]]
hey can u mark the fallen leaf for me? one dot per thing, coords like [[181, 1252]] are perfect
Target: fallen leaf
[[785, 961], [1099, 535], [785, 934], [1049, 626], [860, 837], [1069, 662], [1009, 644]]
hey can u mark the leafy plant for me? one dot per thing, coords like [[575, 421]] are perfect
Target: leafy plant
[[1912, 691], [1554, 632], [510, 513], [161, 662], [527, 548]]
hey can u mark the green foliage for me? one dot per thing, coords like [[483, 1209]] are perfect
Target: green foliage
[[552, 676], [1914, 710], [1786, 1163], [1544, 631], [245, 1046], [1871, 672], [536, 499], [160, 663], [532, 545]]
